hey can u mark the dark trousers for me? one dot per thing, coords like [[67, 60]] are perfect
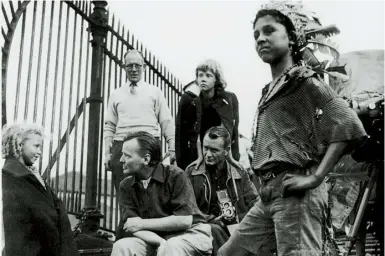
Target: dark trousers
[[220, 236], [116, 166]]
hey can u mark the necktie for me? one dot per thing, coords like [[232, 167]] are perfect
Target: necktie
[[133, 88]]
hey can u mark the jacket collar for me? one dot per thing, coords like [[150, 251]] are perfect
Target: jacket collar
[[13, 166], [202, 170], [193, 89], [158, 174]]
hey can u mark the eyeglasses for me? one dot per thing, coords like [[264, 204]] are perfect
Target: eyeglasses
[[132, 66]]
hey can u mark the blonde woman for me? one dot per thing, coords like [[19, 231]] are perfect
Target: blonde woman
[[205, 104], [35, 220]]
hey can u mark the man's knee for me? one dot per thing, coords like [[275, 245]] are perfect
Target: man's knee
[[125, 245], [173, 246], [229, 249], [172, 243]]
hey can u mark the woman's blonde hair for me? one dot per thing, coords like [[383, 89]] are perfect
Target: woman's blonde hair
[[213, 66], [14, 135]]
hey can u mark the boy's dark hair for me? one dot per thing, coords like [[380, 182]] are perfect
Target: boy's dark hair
[[286, 22], [219, 132], [148, 145]]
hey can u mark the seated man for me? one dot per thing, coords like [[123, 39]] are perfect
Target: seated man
[[159, 211], [216, 181]]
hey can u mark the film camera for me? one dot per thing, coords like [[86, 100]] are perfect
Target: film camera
[[371, 113], [229, 214]]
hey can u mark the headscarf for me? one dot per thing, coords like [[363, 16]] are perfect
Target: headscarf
[[298, 15]]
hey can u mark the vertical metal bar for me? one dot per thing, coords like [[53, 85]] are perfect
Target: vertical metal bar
[[121, 57], [30, 61], [117, 212], [173, 98], [168, 90], [38, 64], [109, 89], [47, 68], [20, 65], [101, 151], [116, 54], [157, 76], [127, 48], [111, 205], [145, 71], [76, 200], [12, 9], [54, 95], [162, 79], [69, 116], [133, 41], [153, 72], [5, 16], [88, 7], [77, 111], [61, 110], [110, 64]]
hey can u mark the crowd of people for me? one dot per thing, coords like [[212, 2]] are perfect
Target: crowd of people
[[204, 203]]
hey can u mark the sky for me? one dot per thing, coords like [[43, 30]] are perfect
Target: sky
[[184, 33]]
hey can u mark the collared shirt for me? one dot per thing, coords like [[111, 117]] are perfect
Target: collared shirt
[[298, 122], [143, 110], [169, 192], [145, 183]]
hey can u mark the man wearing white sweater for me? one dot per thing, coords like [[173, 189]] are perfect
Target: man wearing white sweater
[[135, 106]]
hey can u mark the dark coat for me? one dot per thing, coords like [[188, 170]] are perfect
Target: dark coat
[[247, 193], [35, 220], [188, 124]]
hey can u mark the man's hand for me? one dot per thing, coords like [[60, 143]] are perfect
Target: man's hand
[[197, 163], [133, 225], [107, 162], [234, 162], [218, 221], [172, 156], [294, 182]]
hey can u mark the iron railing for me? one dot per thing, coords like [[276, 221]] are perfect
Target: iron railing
[[60, 62]]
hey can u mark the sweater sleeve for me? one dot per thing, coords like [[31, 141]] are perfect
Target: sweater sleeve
[[165, 120], [111, 118]]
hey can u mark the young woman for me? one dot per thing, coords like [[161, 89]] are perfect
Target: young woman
[[35, 220], [302, 130], [205, 104]]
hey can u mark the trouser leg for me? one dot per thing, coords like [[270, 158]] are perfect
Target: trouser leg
[[132, 246]]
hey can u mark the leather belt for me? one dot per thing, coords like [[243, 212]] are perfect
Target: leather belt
[[265, 176]]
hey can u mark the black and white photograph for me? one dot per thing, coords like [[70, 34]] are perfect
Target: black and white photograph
[[192, 128]]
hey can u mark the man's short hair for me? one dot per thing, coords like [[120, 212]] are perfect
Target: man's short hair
[[219, 132], [148, 145], [132, 51]]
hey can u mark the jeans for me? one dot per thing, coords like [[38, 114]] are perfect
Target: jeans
[[291, 224]]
